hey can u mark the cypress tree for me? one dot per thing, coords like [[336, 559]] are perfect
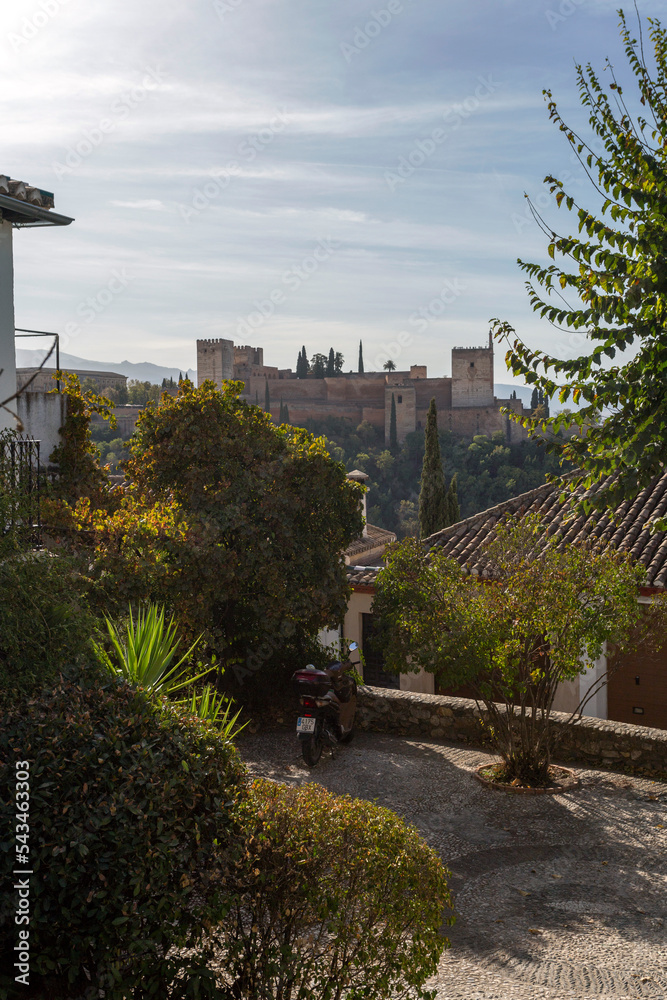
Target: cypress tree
[[331, 363], [361, 359], [286, 414], [453, 509], [302, 366], [433, 495], [267, 396], [393, 433], [534, 400]]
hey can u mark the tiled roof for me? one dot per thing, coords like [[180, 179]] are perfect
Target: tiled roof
[[362, 576], [626, 529], [374, 538], [25, 192]]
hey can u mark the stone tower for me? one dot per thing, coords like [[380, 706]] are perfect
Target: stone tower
[[215, 361], [472, 376]]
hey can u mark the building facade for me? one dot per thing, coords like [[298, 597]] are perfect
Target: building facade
[[43, 379], [465, 400]]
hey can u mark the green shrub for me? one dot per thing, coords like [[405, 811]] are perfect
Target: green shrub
[[336, 899], [45, 623], [131, 822]]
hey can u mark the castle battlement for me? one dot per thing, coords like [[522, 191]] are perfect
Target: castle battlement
[[465, 401]]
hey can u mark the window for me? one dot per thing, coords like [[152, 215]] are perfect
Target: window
[[400, 399], [472, 364]]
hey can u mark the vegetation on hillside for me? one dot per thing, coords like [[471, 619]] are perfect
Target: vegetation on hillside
[[487, 469]]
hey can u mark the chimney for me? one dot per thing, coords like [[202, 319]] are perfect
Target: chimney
[[357, 476]]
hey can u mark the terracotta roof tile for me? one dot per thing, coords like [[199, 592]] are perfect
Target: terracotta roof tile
[[626, 529]]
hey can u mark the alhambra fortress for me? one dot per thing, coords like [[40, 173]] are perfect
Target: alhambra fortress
[[465, 401]]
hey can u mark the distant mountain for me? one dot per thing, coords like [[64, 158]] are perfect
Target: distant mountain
[[504, 390], [144, 371]]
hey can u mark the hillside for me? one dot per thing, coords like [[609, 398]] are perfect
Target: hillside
[[144, 371]]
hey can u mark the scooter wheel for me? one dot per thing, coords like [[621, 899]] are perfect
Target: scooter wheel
[[347, 738], [311, 749]]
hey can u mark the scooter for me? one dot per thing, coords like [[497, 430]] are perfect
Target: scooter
[[329, 701]]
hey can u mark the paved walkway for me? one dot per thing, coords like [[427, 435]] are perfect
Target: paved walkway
[[557, 897]]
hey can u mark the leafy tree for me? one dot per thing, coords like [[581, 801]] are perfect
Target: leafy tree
[[76, 456], [140, 393], [318, 365], [615, 268], [389, 366], [433, 505], [547, 611], [393, 432], [488, 469], [331, 364], [360, 367], [234, 523], [339, 361]]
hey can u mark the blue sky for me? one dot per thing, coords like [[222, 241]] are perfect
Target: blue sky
[[288, 172]]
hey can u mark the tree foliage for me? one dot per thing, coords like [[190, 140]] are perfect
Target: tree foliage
[[134, 834], [539, 614], [76, 455], [360, 366], [614, 271], [393, 430], [433, 506], [336, 898], [488, 469], [234, 523]]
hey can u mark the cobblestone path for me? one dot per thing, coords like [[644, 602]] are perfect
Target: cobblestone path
[[558, 897]]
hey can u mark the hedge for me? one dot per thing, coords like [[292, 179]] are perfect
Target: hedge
[[335, 899], [131, 822]]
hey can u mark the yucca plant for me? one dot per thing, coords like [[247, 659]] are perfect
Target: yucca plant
[[215, 708], [145, 659], [146, 656]]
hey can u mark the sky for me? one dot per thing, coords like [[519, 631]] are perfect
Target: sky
[[288, 172]]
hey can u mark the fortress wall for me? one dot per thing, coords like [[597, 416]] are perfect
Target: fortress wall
[[406, 411]]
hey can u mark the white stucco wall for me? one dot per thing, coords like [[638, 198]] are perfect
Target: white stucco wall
[[42, 415], [7, 351]]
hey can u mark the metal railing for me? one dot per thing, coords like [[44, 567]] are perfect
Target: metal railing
[[20, 491]]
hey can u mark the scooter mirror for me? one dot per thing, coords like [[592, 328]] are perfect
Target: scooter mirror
[[353, 646]]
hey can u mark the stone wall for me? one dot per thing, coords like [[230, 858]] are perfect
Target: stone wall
[[593, 742]]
